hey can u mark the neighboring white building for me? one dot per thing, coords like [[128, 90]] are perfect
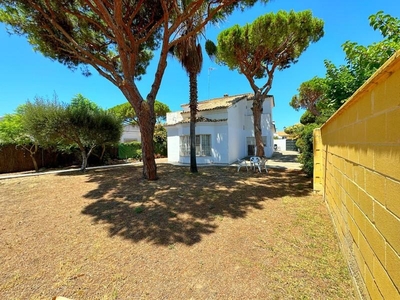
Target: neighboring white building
[[130, 133], [224, 130]]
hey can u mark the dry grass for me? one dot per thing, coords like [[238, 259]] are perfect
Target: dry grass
[[219, 234]]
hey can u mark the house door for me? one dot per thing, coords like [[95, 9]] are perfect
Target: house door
[[251, 146], [251, 150]]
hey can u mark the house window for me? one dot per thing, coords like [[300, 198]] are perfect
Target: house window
[[203, 145], [252, 140]]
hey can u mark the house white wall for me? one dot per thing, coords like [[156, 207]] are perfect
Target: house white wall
[[219, 146], [228, 138], [174, 117], [237, 131], [173, 134], [130, 133], [281, 144], [267, 126]]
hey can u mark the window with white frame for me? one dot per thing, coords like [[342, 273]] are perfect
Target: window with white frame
[[203, 145]]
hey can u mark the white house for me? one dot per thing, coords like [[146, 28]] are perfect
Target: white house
[[224, 130], [130, 133]]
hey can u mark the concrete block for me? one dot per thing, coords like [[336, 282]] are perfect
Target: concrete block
[[376, 129], [393, 125], [364, 106], [359, 218], [375, 240], [366, 156], [366, 251], [388, 225], [375, 185], [366, 204], [359, 176], [384, 283], [353, 154], [381, 98], [352, 190], [392, 265], [353, 228], [387, 160], [372, 288], [392, 196], [359, 133]]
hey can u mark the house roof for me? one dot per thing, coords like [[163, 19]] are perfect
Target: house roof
[[198, 120], [216, 103]]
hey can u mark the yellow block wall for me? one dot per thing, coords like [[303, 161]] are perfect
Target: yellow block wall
[[357, 168]]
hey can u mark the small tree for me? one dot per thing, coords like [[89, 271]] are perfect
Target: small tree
[[127, 113], [160, 140], [310, 94], [82, 123], [294, 130], [12, 131], [272, 42]]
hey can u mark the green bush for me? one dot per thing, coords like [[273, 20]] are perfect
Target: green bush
[[134, 149], [160, 141], [305, 144], [130, 150], [307, 118]]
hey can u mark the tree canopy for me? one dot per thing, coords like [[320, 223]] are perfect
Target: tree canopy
[[361, 62], [12, 131], [310, 93], [127, 114], [81, 123], [116, 38], [272, 42], [342, 81], [388, 25]]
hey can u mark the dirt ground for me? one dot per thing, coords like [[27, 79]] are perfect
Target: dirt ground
[[219, 234]]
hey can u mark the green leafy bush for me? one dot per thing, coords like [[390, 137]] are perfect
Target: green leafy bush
[[160, 141], [130, 150], [305, 144]]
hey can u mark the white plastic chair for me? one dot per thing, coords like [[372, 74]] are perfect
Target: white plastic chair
[[254, 161], [242, 163], [259, 163], [262, 165]]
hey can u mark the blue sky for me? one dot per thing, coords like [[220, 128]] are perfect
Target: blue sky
[[25, 74]]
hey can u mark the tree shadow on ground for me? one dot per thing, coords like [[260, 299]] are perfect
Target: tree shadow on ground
[[182, 207]]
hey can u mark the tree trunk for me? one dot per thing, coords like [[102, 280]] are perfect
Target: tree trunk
[[84, 156], [193, 114], [146, 125], [103, 150], [84, 160], [257, 111], [34, 162], [32, 154]]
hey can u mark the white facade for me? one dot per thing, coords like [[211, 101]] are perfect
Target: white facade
[[228, 124], [280, 144], [130, 133]]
